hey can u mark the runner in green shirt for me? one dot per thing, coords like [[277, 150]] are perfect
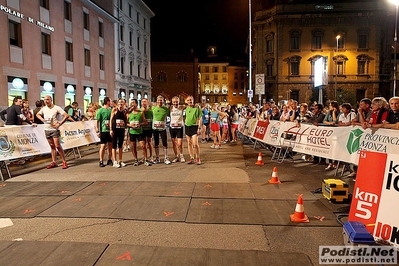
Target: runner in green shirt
[[159, 114], [193, 129]]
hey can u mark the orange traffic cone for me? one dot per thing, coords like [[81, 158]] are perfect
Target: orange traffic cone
[[260, 161], [274, 179], [299, 215]]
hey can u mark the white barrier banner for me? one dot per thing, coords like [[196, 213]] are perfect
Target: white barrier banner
[[337, 143], [21, 141]]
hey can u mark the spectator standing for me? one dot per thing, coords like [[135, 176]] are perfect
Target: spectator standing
[[27, 112], [39, 105], [70, 108], [205, 132], [14, 114], [49, 116]]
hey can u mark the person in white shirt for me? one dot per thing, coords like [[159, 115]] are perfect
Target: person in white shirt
[[49, 115], [176, 129]]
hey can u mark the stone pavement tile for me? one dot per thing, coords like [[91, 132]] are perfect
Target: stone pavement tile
[[53, 188], [226, 211], [85, 206], [282, 209], [285, 190], [223, 190], [46, 253], [175, 189], [109, 188], [26, 206], [152, 208]]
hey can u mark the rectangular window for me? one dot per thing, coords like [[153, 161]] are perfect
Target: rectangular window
[[131, 68], [138, 43], [294, 43], [138, 18], [44, 4], [145, 47], [130, 10], [361, 67], [130, 38], [139, 70], [144, 23], [101, 59], [340, 68], [363, 41], [121, 32], [341, 43], [120, 4], [215, 69], [100, 29], [207, 69], [15, 33], [224, 69], [86, 21], [122, 65], [69, 51], [67, 11], [316, 42], [269, 46], [269, 70], [294, 68], [87, 57], [46, 44]]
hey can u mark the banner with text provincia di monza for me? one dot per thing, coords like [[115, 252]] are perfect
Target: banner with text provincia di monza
[[375, 196]]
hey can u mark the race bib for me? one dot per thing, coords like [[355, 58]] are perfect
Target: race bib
[[135, 124], [106, 123], [119, 123], [176, 125], [159, 125], [213, 120]]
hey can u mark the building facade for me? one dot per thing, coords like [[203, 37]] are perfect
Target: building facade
[[61, 48], [354, 37], [132, 54], [175, 76]]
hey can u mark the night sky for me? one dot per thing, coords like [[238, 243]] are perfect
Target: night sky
[[182, 25]]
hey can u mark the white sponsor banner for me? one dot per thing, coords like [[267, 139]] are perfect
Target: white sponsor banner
[[22, 141], [337, 143]]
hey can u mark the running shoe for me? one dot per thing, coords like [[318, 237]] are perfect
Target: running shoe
[[116, 165], [213, 146], [64, 165], [136, 163], [52, 165], [198, 162], [156, 160], [109, 162], [182, 160], [218, 146], [122, 164], [203, 141], [147, 163], [101, 164], [191, 161], [166, 161], [175, 160]]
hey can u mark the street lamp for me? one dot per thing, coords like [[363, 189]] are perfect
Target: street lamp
[[336, 68], [395, 40]]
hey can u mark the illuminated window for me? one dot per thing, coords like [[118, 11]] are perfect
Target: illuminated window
[[317, 39]]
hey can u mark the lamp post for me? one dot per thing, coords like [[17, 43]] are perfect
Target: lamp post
[[250, 49], [336, 69], [395, 40]]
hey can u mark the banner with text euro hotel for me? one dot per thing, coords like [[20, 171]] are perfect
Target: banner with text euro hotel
[[375, 151], [22, 141]]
